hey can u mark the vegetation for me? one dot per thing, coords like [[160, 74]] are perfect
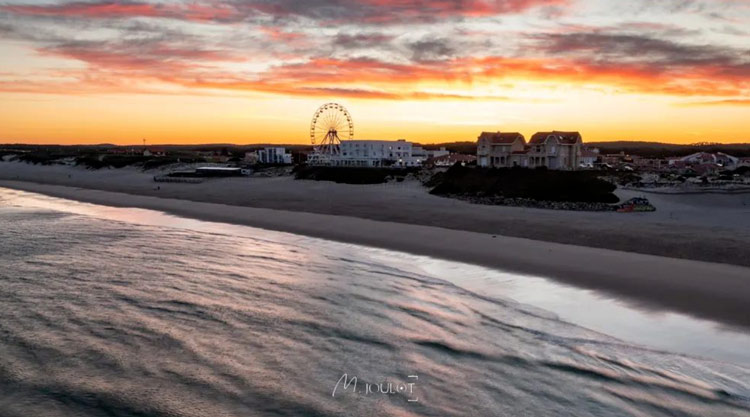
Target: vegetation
[[91, 162], [121, 161], [346, 175], [534, 184], [43, 157], [469, 148]]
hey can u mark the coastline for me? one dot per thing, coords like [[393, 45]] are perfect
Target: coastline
[[711, 228], [715, 291]]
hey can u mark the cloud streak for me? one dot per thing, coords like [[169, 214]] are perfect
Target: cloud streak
[[376, 49], [341, 11]]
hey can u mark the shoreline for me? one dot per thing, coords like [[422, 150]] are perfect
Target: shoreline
[[714, 291], [707, 191], [711, 228]]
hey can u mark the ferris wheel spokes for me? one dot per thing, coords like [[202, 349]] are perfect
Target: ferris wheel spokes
[[330, 123]]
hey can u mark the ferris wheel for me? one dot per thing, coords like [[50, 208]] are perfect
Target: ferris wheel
[[330, 123]]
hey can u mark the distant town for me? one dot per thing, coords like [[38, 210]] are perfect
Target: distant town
[[655, 164]]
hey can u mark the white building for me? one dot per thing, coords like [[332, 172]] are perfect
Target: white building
[[377, 153], [589, 157], [423, 154], [274, 156]]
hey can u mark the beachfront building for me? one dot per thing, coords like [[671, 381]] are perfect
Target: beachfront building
[[423, 154], [274, 156], [500, 150], [269, 156], [553, 150], [376, 153], [589, 157]]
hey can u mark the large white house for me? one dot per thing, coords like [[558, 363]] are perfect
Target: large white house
[[376, 153], [554, 150]]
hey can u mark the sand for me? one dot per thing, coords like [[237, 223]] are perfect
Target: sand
[[714, 228], [710, 234]]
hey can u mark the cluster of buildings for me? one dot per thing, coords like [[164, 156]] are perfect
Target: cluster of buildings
[[707, 163], [275, 155], [566, 151], [699, 163], [557, 150], [383, 153], [553, 150]]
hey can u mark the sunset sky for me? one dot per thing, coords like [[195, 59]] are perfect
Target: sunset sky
[[244, 71]]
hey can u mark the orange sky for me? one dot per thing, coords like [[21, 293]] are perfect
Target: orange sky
[[431, 71]]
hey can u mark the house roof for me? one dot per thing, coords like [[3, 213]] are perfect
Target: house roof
[[566, 138], [501, 138]]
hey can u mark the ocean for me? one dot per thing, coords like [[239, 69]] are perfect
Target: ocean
[[127, 312]]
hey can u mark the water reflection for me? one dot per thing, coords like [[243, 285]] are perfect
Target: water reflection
[[112, 312], [645, 325]]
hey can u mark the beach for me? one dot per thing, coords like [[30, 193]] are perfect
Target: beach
[[689, 256]]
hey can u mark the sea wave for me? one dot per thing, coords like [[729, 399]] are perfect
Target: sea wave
[[109, 318]]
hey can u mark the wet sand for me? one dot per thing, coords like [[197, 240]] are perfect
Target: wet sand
[[713, 228], [717, 291]]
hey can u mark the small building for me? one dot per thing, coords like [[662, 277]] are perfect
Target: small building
[[422, 155], [154, 151], [251, 158], [589, 157], [220, 172], [274, 156]]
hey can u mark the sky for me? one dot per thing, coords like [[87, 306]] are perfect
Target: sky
[[255, 71]]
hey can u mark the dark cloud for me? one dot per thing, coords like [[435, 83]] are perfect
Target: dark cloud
[[338, 11], [634, 50], [361, 40], [362, 54], [431, 50]]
